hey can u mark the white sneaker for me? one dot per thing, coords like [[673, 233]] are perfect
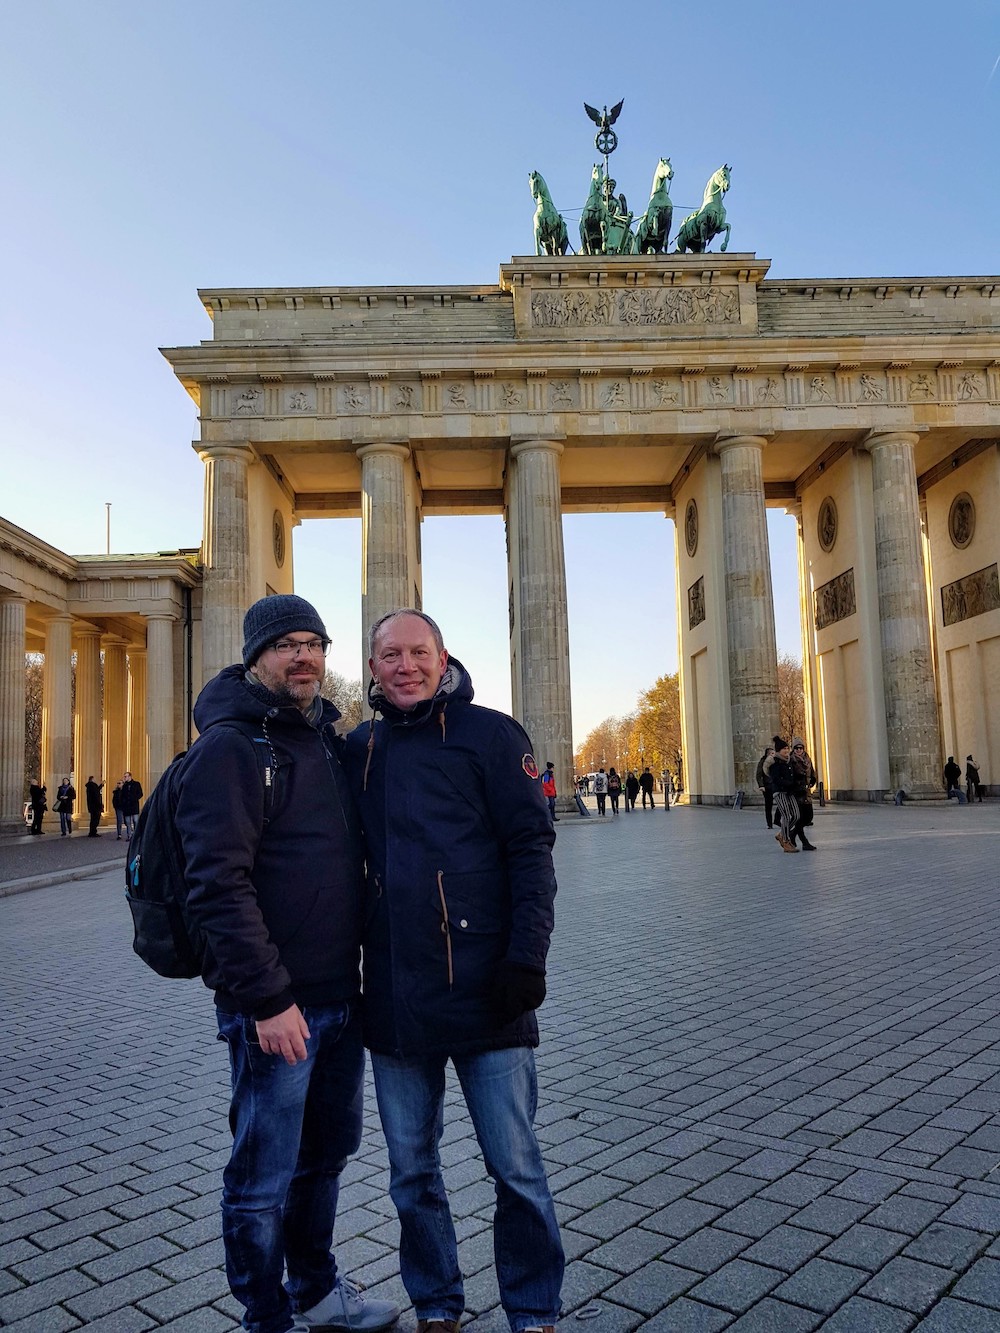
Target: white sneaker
[[347, 1307]]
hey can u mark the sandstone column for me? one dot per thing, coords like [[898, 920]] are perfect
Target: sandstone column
[[138, 746], [390, 572], [753, 656], [57, 704], [907, 670], [160, 694], [115, 713], [12, 704], [226, 554], [539, 614], [88, 726]]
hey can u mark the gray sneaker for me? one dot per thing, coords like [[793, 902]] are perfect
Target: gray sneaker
[[347, 1307]]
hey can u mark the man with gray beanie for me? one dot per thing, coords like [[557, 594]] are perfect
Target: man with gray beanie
[[274, 883]]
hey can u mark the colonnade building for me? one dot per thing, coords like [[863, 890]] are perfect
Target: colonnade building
[[691, 385]]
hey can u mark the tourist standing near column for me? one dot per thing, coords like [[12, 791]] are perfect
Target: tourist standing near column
[[549, 789], [131, 795], [973, 787], [763, 781], [278, 900], [460, 911], [95, 805], [65, 796], [36, 795]]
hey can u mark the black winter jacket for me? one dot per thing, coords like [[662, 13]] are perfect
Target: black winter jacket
[[280, 903], [460, 876]]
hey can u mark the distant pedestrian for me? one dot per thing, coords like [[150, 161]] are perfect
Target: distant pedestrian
[[763, 781], [631, 790], [973, 787], [614, 789], [131, 795], [549, 789], [601, 791], [786, 807], [36, 796], [116, 803], [95, 805], [952, 777], [804, 775], [65, 797], [646, 783]]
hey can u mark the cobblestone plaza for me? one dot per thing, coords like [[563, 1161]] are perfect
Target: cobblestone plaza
[[770, 1093]]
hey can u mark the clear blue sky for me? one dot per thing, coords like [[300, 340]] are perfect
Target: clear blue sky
[[152, 148]]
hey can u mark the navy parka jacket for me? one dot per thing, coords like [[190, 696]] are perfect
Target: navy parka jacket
[[460, 876], [279, 901]]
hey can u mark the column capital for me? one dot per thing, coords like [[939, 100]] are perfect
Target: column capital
[[394, 448], [521, 444], [723, 442], [243, 453], [876, 438]]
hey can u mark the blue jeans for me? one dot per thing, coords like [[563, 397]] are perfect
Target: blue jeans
[[65, 822], [294, 1127], [501, 1093]]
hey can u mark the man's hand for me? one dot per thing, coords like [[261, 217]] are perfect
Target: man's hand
[[516, 989], [285, 1034]]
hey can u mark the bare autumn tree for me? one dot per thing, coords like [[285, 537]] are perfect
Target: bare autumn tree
[[349, 698], [33, 666], [791, 700]]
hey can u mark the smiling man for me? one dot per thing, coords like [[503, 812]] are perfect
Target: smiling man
[[458, 920], [275, 885]]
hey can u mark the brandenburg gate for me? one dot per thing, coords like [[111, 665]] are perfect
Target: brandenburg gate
[[689, 384]]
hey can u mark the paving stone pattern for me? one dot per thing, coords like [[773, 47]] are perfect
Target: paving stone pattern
[[770, 1094]]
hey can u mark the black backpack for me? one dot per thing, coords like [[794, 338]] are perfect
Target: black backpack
[[155, 884]]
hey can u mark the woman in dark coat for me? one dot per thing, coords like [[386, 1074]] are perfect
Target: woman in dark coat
[[804, 775], [779, 768], [763, 781], [65, 796], [36, 795]]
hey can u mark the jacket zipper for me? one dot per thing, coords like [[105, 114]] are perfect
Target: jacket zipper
[[446, 928]]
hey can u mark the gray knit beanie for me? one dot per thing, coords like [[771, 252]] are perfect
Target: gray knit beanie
[[271, 617]]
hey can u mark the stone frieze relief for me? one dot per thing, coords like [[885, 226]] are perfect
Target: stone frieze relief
[[972, 595], [664, 306], [836, 600]]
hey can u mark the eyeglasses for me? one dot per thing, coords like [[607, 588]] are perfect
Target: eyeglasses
[[798, 747], [292, 647]]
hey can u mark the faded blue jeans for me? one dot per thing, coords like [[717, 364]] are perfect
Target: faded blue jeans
[[294, 1127], [501, 1093]]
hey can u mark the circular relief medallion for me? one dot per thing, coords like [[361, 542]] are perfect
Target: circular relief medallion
[[691, 527], [826, 524], [961, 520], [278, 538]]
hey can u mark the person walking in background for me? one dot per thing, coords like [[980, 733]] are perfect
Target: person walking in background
[[95, 805], [65, 796], [778, 768], [646, 784], [36, 797], [804, 777], [973, 787], [614, 789], [631, 790], [763, 781], [131, 795], [601, 791], [459, 917], [549, 789]]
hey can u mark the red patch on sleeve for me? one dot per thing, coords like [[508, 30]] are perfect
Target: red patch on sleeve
[[529, 766]]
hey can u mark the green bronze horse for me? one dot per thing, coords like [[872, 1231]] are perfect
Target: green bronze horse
[[653, 231], [698, 229], [592, 217], [551, 237]]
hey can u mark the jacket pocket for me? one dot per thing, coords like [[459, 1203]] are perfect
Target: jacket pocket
[[474, 922]]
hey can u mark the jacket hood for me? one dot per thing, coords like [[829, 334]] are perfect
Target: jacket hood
[[455, 687], [236, 696]]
